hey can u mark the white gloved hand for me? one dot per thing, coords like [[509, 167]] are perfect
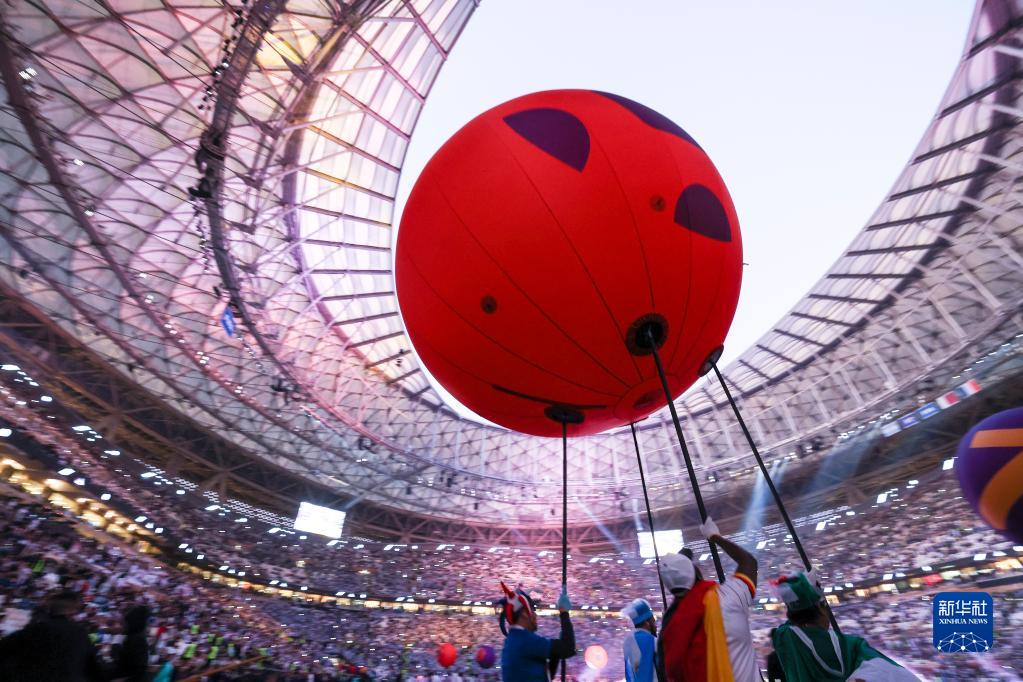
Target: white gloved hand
[[709, 529], [564, 603]]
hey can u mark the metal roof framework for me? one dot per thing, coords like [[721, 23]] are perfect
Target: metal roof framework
[[168, 162]]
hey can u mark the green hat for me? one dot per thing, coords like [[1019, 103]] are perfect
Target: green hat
[[799, 591]]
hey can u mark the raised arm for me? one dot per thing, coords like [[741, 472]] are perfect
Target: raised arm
[[746, 563], [564, 646]]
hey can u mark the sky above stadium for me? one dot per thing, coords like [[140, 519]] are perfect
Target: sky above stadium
[[810, 110]]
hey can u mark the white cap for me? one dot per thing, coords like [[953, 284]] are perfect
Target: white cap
[[677, 572]]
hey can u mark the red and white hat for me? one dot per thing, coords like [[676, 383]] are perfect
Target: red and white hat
[[515, 602]]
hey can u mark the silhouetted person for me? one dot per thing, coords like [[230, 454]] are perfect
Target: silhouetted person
[[51, 648], [133, 656]]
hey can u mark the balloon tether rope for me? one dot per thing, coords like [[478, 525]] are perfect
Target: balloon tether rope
[[649, 517], [652, 348], [770, 483]]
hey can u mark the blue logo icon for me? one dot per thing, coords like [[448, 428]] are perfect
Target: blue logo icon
[[964, 622]]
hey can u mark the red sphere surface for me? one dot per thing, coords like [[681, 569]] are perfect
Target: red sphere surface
[[447, 655], [540, 234]]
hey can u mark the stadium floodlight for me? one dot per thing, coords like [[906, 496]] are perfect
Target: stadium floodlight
[[11, 368], [212, 507], [948, 464], [46, 398], [668, 542], [140, 519], [312, 518], [112, 453], [81, 428], [105, 496], [147, 474], [183, 545], [66, 471], [200, 557], [5, 432], [79, 481]]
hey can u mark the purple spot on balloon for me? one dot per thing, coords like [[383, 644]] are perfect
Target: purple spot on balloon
[[651, 117], [556, 132], [699, 210]]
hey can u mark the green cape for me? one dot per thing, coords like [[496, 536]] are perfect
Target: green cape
[[820, 663]]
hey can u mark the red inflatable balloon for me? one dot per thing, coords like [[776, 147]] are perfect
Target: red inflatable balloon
[[545, 238], [446, 655]]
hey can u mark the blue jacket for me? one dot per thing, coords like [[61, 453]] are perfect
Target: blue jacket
[[527, 657], [639, 649]]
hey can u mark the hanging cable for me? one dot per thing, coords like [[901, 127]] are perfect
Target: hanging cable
[[652, 347], [770, 484], [564, 517], [649, 517]]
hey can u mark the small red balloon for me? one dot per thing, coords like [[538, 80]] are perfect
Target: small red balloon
[[544, 240], [446, 655]]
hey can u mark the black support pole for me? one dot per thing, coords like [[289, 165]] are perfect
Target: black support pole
[[770, 484], [564, 517], [649, 518], [685, 450]]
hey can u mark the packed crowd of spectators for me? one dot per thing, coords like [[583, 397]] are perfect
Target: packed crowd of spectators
[[47, 558], [921, 523], [197, 625]]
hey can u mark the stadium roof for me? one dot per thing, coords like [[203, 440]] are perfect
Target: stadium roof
[[173, 168]]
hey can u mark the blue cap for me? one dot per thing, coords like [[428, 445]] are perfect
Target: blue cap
[[638, 611]]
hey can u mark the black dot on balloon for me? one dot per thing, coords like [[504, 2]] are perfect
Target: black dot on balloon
[[488, 304], [699, 210], [650, 117], [554, 131], [657, 202], [646, 400]]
